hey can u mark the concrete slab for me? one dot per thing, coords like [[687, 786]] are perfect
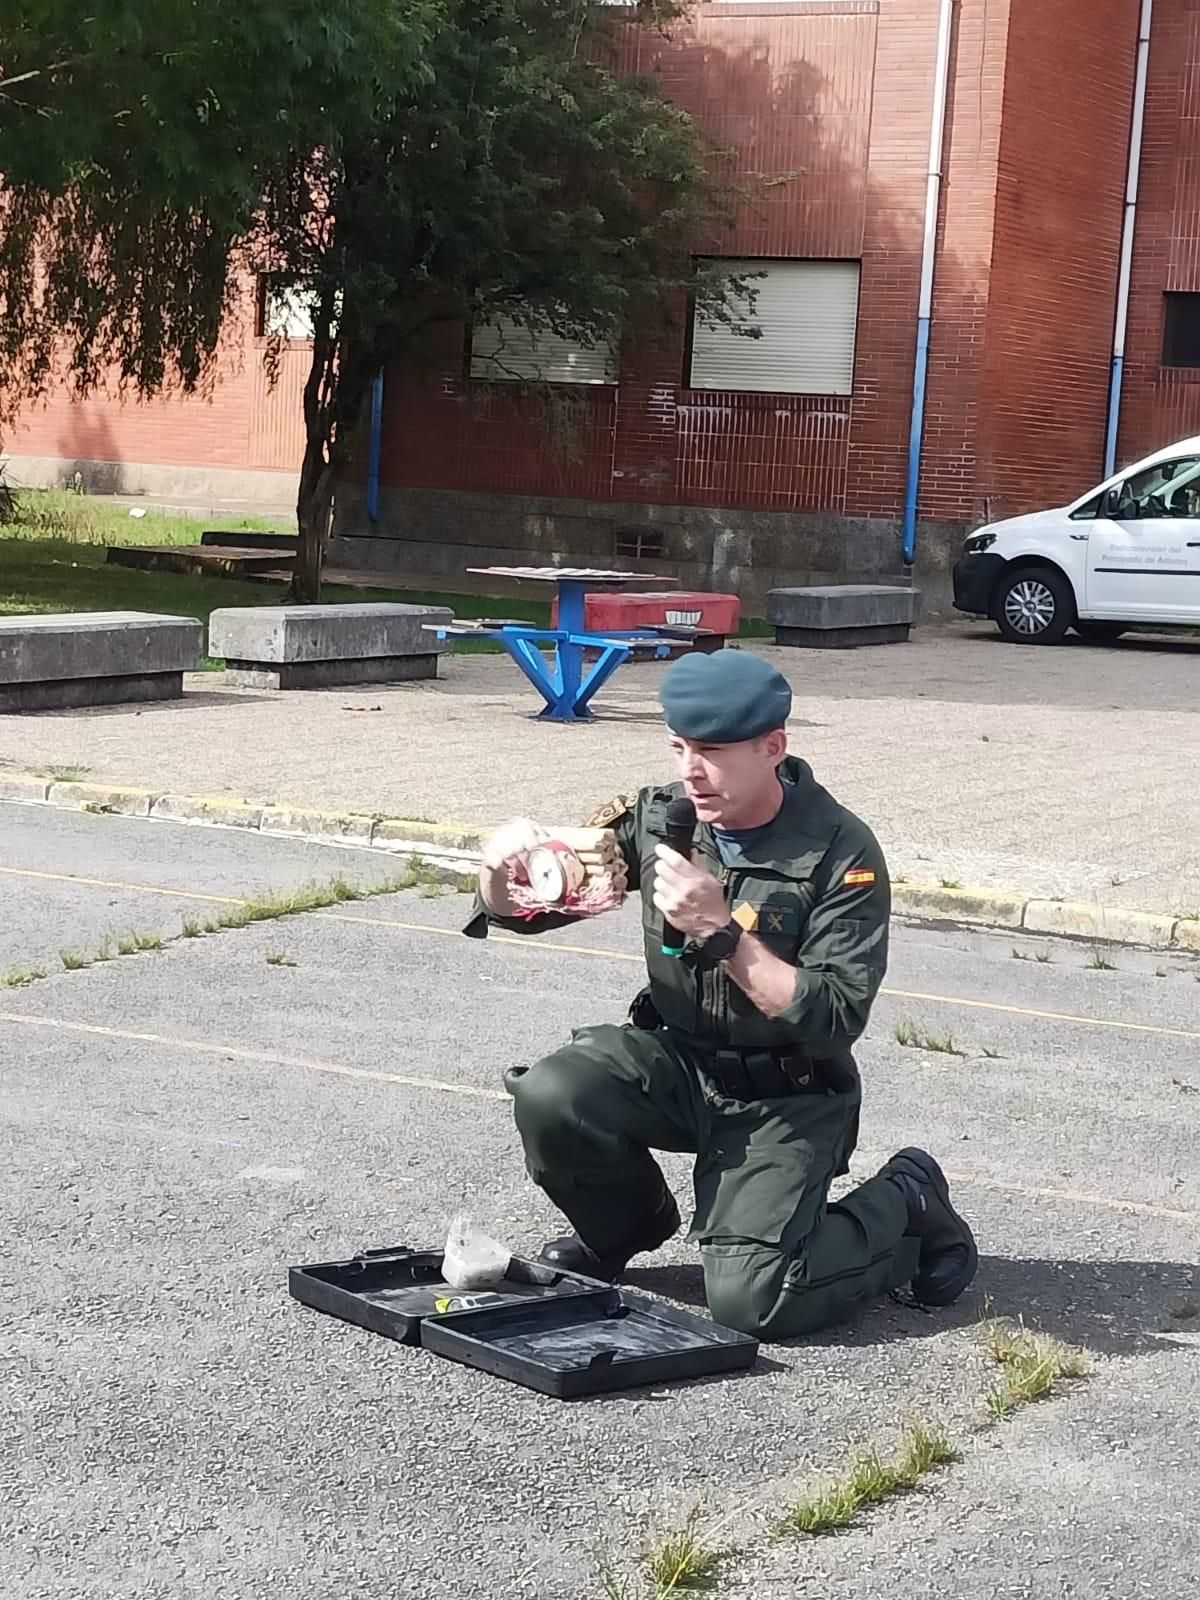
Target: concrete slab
[[840, 616], [315, 647], [78, 659]]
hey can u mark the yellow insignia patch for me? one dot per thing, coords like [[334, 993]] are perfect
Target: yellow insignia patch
[[621, 806], [860, 879], [746, 917]]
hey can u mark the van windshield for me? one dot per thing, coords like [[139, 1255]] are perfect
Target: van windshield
[[1169, 489]]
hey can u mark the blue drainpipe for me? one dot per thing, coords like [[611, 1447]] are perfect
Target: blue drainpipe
[[376, 447], [933, 191]]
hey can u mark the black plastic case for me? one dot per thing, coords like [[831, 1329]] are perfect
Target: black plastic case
[[555, 1332], [591, 1343], [393, 1291]]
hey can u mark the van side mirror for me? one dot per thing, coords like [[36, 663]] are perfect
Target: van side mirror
[[1110, 502]]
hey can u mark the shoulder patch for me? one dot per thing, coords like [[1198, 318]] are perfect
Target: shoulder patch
[[616, 808], [863, 877]]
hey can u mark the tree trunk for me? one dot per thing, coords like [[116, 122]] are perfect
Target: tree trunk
[[313, 506]]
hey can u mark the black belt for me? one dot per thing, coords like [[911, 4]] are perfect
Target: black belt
[[755, 1074], [763, 1074]]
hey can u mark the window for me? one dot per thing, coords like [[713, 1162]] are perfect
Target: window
[[285, 310], [505, 351], [1171, 489], [807, 310], [1089, 509], [1181, 330]]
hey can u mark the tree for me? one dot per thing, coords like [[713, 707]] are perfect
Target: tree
[[136, 142], [470, 158], [526, 176]]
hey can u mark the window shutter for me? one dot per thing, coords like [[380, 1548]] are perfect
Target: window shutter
[[808, 312], [505, 350]]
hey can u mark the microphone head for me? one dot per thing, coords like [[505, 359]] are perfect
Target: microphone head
[[681, 815]]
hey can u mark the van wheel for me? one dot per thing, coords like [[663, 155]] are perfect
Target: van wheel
[[1100, 632], [1034, 605]]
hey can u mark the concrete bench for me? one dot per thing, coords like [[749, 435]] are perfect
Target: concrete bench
[[319, 647], [841, 616], [95, 658]]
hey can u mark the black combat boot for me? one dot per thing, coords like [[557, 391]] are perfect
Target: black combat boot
[[571, 1254], [949, 1258]]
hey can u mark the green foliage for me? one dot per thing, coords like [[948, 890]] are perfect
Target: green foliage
[[136, 142], [399, 165]]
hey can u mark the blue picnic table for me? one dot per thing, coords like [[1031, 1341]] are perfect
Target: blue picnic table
[[554, 659]]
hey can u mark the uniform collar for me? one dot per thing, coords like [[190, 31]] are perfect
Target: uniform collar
[[798, 838]]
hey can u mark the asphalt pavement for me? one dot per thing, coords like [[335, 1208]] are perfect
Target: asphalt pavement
[[179, 1127]]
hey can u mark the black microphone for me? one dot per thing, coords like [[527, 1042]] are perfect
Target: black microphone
[[680, 831]]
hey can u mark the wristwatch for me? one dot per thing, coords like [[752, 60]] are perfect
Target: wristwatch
[[721, 945]]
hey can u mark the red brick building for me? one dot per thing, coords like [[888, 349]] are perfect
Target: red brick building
[[786, 460]]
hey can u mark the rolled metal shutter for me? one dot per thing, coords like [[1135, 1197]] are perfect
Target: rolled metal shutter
[[808, 313], [503, 350]]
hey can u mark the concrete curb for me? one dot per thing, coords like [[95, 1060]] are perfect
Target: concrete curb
[[454, 849]]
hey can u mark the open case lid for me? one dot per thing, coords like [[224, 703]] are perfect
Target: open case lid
[[590, 1343]]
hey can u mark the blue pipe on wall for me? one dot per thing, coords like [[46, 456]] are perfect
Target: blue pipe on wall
[[915, 437], [933, 191], [376, 448], [1114, 415]]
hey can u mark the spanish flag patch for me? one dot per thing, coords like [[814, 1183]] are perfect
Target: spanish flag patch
[[859, 879]]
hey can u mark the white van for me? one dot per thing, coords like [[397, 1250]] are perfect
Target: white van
[[1126, 554]]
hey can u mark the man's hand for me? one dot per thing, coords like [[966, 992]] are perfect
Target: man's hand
[[507, 853], [510, 845], [688, 896]]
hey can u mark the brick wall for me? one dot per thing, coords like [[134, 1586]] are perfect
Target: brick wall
[[1062, 160], [790, 91], [1162, 404], [904, 78], [240, 423]]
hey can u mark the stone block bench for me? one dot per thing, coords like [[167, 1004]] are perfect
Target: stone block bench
[[319, 647], [843, 615], [95, 658]]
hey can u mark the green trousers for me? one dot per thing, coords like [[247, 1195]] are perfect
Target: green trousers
[[779, 1259]]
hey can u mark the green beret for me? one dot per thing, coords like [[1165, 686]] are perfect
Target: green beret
[[725, 697]]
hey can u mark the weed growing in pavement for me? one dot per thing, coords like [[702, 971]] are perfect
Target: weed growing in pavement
[[1101, 963], [681, 1562], [950, 883], [21, 977], [263, 908], [1033, 1366], [67, 774], [276, 958], [913, 1038], [871, 1479]]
